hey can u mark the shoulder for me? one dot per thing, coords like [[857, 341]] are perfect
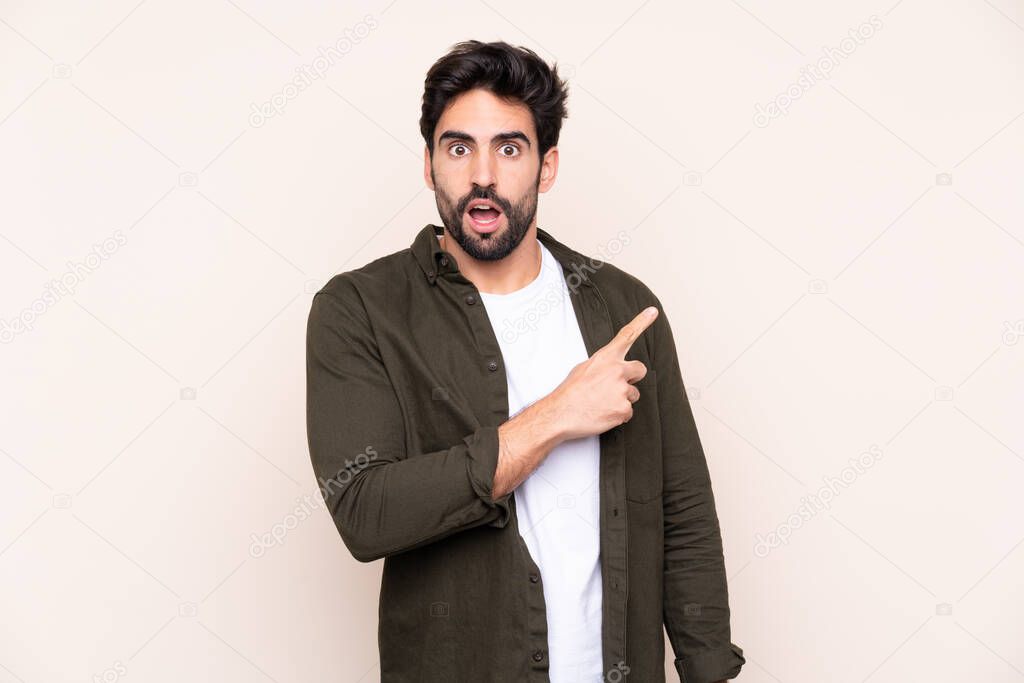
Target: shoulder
[[349, 300], [626, 295], [364, 287], [624, 292]]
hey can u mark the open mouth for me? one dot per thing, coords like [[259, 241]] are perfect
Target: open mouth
[[484, 215]]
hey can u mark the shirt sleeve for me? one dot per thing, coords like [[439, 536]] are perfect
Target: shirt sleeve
[[696, 595], [384, 500]]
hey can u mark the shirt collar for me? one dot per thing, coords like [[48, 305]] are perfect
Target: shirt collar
[[436, 262]]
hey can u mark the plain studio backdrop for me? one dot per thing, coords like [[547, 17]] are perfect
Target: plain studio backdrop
[[826, 196]]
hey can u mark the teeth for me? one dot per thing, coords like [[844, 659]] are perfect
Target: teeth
[[483, 206]]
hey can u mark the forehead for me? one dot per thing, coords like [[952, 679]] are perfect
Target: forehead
[[482, 114]]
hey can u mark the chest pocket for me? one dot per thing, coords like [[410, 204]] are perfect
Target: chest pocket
[[642, 442]]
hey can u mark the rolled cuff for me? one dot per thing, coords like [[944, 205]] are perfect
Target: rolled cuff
[[482, 463], [711, 665]]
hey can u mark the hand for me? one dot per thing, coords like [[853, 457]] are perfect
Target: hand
[[598, 394]]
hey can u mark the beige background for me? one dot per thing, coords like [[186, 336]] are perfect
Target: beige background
[[843, 280]]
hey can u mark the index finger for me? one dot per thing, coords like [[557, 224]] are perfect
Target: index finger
[[631, 331]]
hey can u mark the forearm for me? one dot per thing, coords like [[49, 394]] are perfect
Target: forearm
[[394, 505], [395, 500], [398, 505], [524, 441], [696, 598], [696, 592]]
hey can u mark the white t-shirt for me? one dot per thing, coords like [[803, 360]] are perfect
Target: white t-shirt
[[558, 504]]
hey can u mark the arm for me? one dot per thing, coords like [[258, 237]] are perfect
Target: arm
[[696, 599], [383, 500], [524, 442]]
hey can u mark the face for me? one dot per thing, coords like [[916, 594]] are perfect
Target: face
[[486, 148]]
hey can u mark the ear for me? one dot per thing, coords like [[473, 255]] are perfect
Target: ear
[[426, 168], [548, 170]]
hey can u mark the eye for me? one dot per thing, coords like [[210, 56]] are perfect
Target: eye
[[457, 145], [514, 148]]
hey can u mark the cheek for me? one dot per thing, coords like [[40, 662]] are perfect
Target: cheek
[[523, 197], [454, 187], [444, 174], [444, 188]]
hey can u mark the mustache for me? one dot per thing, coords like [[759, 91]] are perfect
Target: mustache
[[490, 196]]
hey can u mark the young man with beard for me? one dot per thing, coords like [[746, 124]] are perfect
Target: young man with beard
[[537, 487]]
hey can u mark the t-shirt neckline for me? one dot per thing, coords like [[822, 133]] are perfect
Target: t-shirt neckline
[[530, 288]]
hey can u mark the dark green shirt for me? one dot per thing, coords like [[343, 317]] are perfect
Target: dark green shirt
[[406, 389]]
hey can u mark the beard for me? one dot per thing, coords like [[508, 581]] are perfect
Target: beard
[[491, 246]]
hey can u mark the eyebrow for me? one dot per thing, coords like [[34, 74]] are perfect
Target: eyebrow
[[466, 137]]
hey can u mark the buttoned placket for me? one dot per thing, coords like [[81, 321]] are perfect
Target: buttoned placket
[[596, 328]]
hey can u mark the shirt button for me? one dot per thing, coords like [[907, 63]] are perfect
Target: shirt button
[[492, 366], [534, 577], [538, 655], [470, 299], [444, 260]]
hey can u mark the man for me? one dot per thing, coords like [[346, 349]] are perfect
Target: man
[[504, 422]]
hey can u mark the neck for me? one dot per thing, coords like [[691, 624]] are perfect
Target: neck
[[515, 271]]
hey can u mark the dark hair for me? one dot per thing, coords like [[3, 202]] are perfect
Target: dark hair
[[513, 73]]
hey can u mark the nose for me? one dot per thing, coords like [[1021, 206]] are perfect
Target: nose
[[483, 170]]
